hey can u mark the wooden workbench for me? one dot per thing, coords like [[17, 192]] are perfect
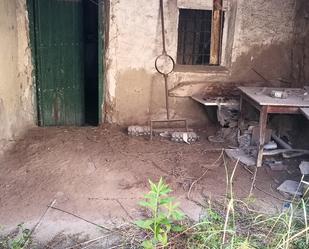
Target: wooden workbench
[[260, 98]]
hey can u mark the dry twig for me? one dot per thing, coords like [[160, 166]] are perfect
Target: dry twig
[[38, 223], [88, 241], [201, 177], [81, 218]]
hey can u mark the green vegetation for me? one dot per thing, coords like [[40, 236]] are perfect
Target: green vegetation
[[229, 225], [245, 229], [163, 215], [17, 240]]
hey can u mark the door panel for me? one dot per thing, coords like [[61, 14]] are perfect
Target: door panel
[[60, 61]]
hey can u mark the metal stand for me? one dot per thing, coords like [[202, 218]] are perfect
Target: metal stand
[[167, 121], [165, 76]]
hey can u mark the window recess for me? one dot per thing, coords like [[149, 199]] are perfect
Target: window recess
[[200, 36]]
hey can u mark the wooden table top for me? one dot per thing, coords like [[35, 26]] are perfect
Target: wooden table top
[[296, 97]]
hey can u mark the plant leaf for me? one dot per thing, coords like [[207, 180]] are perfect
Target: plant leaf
[[149, 204], [177, 228], [166, 200], [150, 195], [145, 224], [177, 215], [147, 244], [153, 186], [164, 239]]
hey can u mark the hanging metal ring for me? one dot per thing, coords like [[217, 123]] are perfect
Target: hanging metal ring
[[170, 58]]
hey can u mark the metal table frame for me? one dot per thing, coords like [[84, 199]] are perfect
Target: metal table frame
[[264, 111]]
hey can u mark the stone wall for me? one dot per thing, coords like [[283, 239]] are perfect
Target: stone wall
[[300, 62], [16, 93], [258, 34]]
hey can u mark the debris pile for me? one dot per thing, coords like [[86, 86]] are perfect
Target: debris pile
[[228, 135], [187, 137], [291, 187], [297, 188], [304, 168], [175, 136], [228, 116], [136, 130]]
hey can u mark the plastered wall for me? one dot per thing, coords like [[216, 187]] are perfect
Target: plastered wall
[[16, 93], [258, 34], [300, 54]]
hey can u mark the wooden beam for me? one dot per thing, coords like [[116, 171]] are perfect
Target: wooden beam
[[215, 42]]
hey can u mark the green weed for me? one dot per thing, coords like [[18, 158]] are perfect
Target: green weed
[[18, 240], [229, 225], [164, 214], [236, 226]]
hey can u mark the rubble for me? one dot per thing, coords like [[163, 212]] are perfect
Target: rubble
[[187, 137], [271, 145], [282, 143], [256, 135], [291, 187], [244, 140], [228, 116], [242, 156], [136, 130], [225, 135], [276, 165], [175, 136], [279, 94], [304, 168], [218, 138]]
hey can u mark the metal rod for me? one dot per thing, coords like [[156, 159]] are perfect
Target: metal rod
[[165, 76], [166, 97], [281, 142], [167, 121]]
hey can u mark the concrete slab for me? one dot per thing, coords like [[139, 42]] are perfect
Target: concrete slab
[[304, 168], [242, 156], [290, 187]]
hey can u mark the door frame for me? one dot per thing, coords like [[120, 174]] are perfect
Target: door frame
[[102, 8], [31, 18]]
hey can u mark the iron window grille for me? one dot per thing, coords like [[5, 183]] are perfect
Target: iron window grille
[[194, 37]]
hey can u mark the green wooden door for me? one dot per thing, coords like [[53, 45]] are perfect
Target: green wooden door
[[59, 48]]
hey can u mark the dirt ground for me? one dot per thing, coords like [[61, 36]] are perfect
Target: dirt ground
[[101, 173]]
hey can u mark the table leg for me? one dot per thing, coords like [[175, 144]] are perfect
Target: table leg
[[241, 114], [262, 133]]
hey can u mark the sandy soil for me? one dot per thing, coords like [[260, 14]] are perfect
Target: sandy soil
[[101, 173]]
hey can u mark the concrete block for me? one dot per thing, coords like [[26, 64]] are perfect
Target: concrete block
[[290, 187]]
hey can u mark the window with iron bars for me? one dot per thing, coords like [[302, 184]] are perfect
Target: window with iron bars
[[195, 37]]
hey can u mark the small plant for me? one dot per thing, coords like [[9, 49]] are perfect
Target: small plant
[[18, 241], [164, 214], [231, 224], [235, 226]]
